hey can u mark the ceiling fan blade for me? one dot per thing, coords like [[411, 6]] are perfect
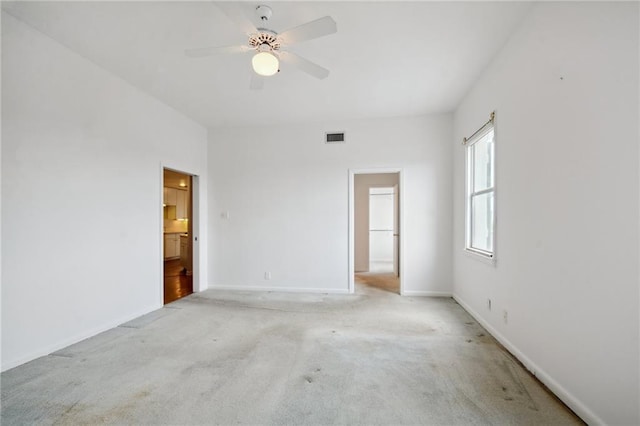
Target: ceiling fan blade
[[257, 81], [314, 29], [235, 14], [304, 65], [220, 50]]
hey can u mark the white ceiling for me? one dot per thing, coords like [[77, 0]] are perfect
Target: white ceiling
[[387, 58]]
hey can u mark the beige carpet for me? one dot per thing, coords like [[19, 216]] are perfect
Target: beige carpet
[[231, 357]]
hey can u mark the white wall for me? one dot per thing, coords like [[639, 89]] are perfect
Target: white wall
[[287, 197], [565, 91], [362, 183], [82, 153]]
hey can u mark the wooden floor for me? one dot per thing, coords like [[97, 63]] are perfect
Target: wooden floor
[[176, 283], [383, 281]]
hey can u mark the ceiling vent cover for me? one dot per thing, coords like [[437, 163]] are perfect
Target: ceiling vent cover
[[335, 137]]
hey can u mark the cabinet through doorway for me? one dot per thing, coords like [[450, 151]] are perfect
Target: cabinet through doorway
[[177, 207]]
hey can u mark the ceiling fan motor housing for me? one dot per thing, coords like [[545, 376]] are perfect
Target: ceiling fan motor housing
[[264, 37]]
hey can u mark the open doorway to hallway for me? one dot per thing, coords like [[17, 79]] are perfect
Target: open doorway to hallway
[[382, 230], [376, 221], [177, 231]]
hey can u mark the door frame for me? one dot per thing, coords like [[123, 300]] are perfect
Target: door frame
[[196, 228], [352, 220], [396, 229]]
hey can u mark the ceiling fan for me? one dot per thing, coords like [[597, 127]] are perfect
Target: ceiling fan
[[267, 45]]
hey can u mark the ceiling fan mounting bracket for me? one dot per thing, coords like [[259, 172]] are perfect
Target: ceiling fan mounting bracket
[[264, 12]]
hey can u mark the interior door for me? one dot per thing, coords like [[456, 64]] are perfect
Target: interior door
[[396, 231]]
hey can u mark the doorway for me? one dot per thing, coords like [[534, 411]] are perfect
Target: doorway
[[382, 230], [177, 208], [375, 254]]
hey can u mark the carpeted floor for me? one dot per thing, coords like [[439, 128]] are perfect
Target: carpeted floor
[[222, 357]]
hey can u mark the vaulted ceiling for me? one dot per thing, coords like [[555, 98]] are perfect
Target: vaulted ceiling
[[387, 58]]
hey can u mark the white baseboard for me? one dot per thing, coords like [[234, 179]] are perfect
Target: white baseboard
[[426, 293], [572, 402], [279, 289], [49, 349]]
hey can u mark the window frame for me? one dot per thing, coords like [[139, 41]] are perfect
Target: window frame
[[470, 194]]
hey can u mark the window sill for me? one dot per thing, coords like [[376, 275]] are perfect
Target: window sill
[[480, 257]]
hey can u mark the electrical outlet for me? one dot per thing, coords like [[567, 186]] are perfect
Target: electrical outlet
[[489, 304], [505, 316], [267, 275]]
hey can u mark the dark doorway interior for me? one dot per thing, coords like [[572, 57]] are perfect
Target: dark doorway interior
[[178, 231], [177, 283]]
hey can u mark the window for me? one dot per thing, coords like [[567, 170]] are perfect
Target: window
[[480, 224]]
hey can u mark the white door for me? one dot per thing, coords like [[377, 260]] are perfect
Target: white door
[[381, 229], [396, 232]]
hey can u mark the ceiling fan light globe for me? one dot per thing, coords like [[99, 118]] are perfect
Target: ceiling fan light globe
[[265, 64]]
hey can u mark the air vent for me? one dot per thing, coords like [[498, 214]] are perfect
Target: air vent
[[334, 137]]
